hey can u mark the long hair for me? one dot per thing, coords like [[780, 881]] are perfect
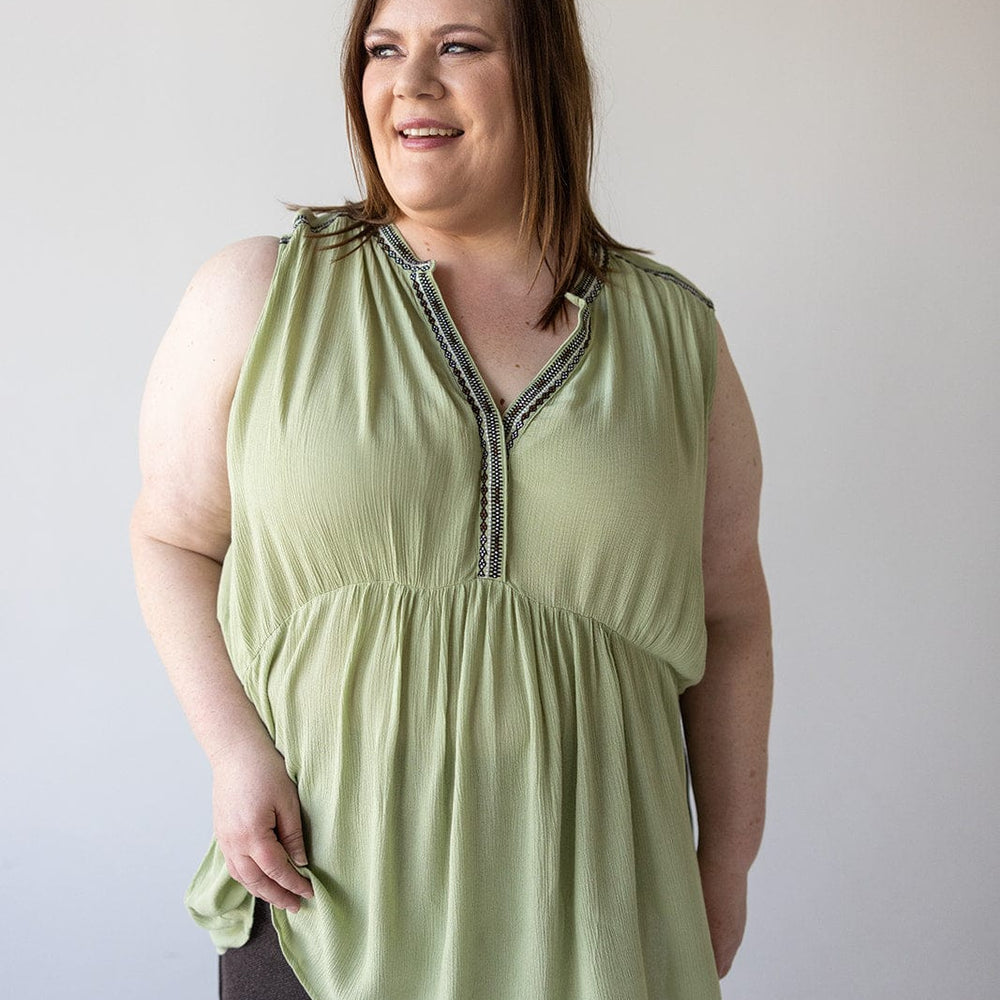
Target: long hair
[[554, 99]]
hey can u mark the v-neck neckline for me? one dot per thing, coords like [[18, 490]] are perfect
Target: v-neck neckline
[[549, 378], [497, 431]]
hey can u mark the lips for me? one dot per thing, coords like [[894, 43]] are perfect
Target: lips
[[425, 128], [424, 132]]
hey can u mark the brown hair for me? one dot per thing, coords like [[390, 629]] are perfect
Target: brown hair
[[552, 89]]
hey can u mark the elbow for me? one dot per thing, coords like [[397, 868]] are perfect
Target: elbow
[[738, 601], [153, 526]]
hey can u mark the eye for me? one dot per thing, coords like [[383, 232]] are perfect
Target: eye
[[380, 51], [457, 48]]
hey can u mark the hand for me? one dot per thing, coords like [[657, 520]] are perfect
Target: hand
[[725, 892], [258, 823]]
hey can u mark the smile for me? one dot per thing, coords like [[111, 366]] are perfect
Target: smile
[[420, 133]]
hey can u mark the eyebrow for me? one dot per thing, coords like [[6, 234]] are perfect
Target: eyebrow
[[444, 29]]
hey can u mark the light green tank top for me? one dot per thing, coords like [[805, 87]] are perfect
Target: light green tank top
[[467, 632]]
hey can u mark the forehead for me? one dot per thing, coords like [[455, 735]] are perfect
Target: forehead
[[433, 13]]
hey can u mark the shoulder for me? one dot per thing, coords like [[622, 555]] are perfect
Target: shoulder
[[197, 364], [321, 222], [231, 284], [219, 310], [682, 317], [638, 268], [219, 313], [184, 498]]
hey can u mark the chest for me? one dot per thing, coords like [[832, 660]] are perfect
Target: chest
[[507, 346]]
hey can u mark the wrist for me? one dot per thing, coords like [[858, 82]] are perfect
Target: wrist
[[251, 742]]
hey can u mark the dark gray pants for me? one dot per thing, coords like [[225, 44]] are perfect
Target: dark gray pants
[[258, 970]]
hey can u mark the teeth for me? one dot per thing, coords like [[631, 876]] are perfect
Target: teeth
[[421, 132]]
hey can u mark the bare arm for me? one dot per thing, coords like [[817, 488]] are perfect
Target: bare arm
[[180, 535], [727, 715]]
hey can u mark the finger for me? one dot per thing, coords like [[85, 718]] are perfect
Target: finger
[[288, 827], [271, 859], [246, 871]]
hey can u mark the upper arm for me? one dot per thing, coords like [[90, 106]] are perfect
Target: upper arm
[[183, 425], [730, 556]]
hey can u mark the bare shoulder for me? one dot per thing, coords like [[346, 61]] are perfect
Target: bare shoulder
[[185, 409], [730, 555], [223, 302], [208, 337]]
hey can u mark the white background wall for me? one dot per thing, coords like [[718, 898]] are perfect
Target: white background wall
[[828, 171]]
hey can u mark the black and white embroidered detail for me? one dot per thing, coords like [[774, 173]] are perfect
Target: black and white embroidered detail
[[496, 434], [673, 278], [491, 491], [315, 226], [517, 416]]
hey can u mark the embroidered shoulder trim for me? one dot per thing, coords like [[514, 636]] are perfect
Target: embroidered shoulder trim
[[673, 278], [310, 220]]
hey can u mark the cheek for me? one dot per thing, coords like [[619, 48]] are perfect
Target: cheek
[[507, 127], [371, 98], [497, 94]]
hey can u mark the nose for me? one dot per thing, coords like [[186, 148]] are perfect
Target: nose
[[418, 77]]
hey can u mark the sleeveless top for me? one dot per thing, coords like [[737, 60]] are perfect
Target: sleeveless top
[[467, 632]]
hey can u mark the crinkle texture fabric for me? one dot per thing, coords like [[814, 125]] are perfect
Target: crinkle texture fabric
[[467, 633]]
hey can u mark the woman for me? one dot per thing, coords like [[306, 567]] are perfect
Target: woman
[[462, 579]]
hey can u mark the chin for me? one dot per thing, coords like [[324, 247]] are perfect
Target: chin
[[425, 203]]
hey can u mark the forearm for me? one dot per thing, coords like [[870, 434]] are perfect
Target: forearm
[[178, 590], [726, 720]]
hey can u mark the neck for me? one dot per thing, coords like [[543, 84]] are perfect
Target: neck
[[497, 248]]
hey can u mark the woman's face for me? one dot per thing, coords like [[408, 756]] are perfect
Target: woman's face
[[439, 100]]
